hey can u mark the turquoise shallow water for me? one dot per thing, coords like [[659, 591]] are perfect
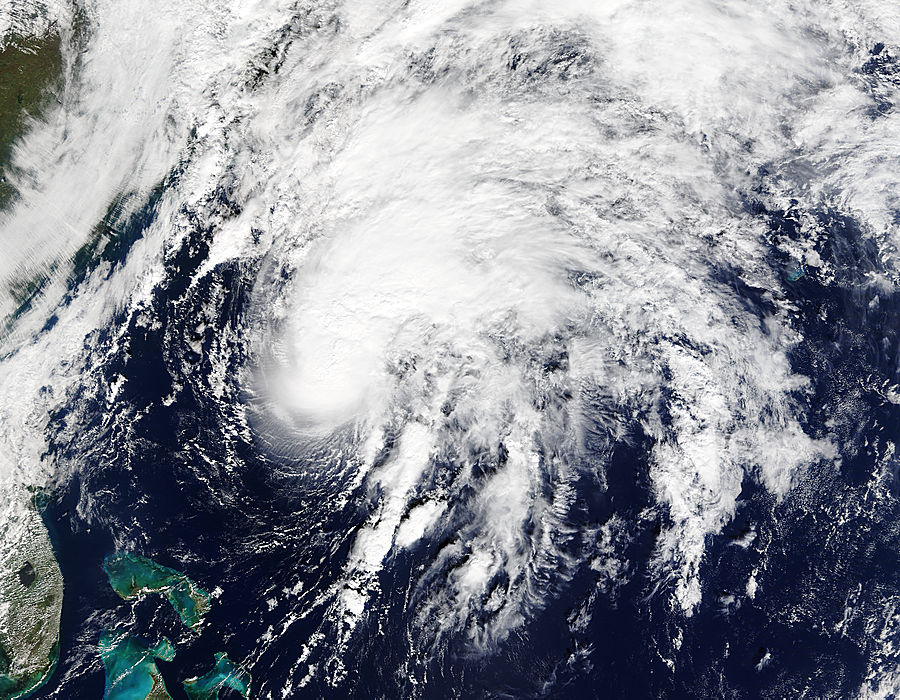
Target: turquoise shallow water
[[130, 663], [133, 576], [225, 674]]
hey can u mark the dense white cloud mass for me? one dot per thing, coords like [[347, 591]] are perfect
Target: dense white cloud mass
[[484, 233]]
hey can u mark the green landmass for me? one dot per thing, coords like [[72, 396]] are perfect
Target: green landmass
[[31, 592], [133, 576], [225, 674], [30, 67], [130, 663]]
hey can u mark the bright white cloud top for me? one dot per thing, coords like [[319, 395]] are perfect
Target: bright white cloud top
[[482, 244]]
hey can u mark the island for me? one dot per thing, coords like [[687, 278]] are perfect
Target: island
[[130, 664], [225, 674], [31, 593], [133, 576]]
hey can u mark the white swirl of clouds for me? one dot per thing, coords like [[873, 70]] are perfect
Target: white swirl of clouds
[[485, 228], [489, 187]]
